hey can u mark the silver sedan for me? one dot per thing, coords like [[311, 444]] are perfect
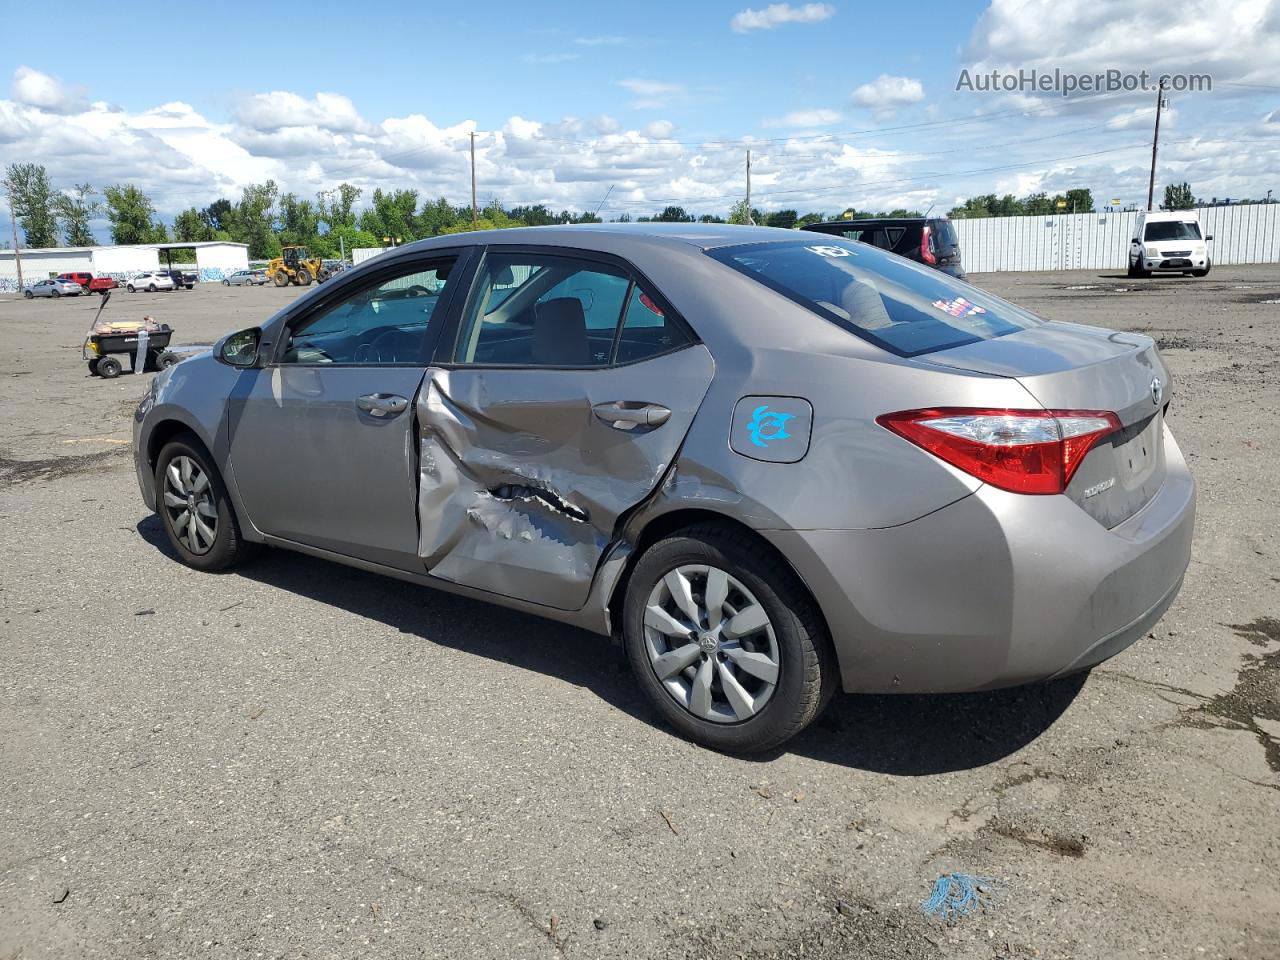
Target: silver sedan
[[52, 288], [770, 465]]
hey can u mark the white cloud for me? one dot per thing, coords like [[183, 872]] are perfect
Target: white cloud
[[279, 109], [819, 117], [659, 129], [1231, 39], [605, 41], [885, 93], [652, 94], [776, 14], [37, 89]]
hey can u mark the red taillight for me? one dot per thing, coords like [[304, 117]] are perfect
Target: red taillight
[[926, 248], [1024, 451]]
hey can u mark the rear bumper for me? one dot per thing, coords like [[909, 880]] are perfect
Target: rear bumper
[[996, 589]]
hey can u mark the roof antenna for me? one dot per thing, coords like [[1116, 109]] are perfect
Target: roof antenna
[[931, 206]]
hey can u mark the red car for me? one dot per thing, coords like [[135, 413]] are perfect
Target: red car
[[89, 282]]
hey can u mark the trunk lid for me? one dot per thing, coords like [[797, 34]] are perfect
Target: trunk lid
[[1069, 366]]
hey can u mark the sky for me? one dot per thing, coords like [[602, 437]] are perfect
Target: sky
[[633, 107]]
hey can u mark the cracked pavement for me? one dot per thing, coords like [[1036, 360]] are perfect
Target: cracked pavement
[[299, 759]]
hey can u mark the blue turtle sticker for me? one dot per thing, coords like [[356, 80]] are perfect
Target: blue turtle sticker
[[774, 429]]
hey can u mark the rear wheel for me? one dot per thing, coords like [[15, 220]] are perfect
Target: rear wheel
[[193, 504], [151, 288], [725, 641], [166, 359], [56, 293], [109, 367], [281, 278], [303, 277], [93, 367]]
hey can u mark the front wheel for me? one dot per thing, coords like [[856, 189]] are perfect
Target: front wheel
[[131, 289], [725, 640], [1205, 272], [109, 368], [195, 508], [28, 294]]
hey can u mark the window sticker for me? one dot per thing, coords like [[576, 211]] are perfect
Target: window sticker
[[959, 307], [829, 250]]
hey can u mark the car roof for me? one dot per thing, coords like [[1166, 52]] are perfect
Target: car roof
[[855, 221], [617, 237], [1158, 215]]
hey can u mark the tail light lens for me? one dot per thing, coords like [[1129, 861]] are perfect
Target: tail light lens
[[1023, 451], [926, 245]]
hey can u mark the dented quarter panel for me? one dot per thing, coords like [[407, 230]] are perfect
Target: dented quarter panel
[[521, 485]]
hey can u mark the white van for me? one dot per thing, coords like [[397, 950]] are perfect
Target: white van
[[1168, 241]]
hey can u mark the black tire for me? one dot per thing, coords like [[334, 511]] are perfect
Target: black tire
[[280, 278], [807, 667], [229, 547], [28, 294], [1208, 265], [93, 367], [131, 289], [56, 293], [226, 283], [151, 288], [303, 277], [166, 360], [109, 367]]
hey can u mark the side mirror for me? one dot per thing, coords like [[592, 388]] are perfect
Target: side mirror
[[1208, 238], [240, 349]]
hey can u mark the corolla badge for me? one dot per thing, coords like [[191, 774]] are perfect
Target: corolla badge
[[1157, 391], [766, 425]]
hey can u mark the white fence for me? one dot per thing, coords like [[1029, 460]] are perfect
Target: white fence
[[1243, 233]]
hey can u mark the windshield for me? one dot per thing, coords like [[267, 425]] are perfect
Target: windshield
[[895, 304], [1172, 230]]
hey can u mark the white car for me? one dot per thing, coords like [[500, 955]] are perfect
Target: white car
[[52, 288], [1169, 241], [245, 278], [151, 282]]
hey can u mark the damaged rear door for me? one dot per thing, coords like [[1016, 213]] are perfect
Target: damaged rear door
[[568, 392]]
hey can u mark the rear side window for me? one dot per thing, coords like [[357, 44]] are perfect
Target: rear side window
[[944, 232], [906, 309], [1172, 230]]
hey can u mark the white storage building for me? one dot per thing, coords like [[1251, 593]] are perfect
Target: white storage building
[[215, 259]]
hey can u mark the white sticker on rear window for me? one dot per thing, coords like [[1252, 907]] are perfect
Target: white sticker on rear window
[[823, 250]]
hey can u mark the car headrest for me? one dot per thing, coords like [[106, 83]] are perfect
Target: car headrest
[[560, 333], [504, 277]]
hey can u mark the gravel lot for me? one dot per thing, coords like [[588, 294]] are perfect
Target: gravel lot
[[299, 759]]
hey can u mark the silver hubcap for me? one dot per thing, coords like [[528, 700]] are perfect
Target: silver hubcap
[[711, 644], [188, 502]]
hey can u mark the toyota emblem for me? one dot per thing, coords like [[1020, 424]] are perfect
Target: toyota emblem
[[1157, 391]]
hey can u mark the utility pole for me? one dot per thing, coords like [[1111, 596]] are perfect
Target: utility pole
[[17, 255], [475, 216], [1155, 141], [750, 220]]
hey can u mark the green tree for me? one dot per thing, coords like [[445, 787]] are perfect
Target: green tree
[[31, 194], [131, 213], [786, 219], [218, 215], [740, 213], [392, 215], [75, 208], [809, 218], [1037, 204], [1178, 196], [190, 227], [253, 220], [1080, 200], [337, 206], [299, 221], [673, 215], [711, 218]]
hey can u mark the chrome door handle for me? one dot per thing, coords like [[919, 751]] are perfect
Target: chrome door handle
[[382, 404], [627, 414]]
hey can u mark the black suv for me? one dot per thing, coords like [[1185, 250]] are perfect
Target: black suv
[[927, 240]]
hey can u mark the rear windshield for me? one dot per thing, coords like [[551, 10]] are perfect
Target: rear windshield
[[895, 304], [944, 232], [1172, 230]]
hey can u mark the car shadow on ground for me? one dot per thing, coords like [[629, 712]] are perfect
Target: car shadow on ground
[[899, 734]]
